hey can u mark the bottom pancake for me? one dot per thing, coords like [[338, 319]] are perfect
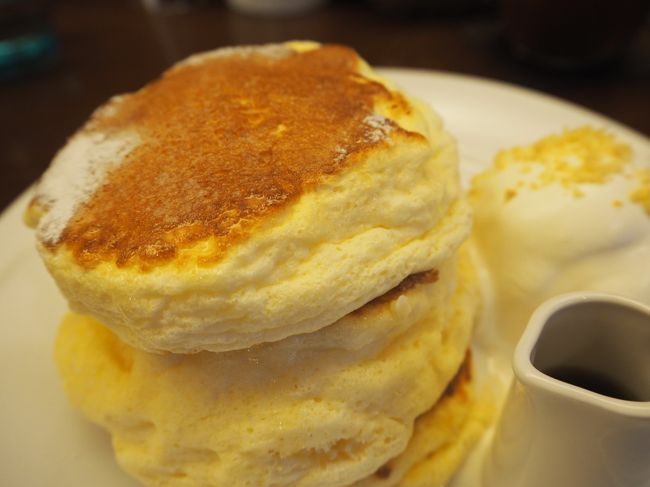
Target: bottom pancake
[[281, 414], [442, 438]]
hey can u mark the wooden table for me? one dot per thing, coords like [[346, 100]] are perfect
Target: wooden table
[[112, 46]]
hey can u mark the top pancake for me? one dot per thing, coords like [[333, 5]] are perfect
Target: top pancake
[[165, 216], [225, 142]]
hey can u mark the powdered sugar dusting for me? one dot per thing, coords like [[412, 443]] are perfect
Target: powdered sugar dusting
[[379, 127], [269, 51], [76, 172], [341, 154]]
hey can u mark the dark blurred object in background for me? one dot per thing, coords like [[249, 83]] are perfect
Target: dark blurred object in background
[[437, 7], [27, 41], [174, 6], [275, 8], [571, 34], [270, 8]]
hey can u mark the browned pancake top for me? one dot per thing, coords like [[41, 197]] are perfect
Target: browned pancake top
[[225, 142]]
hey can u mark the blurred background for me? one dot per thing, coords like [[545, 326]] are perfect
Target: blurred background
[[61, 59]]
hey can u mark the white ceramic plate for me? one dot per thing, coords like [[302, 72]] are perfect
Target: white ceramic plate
[[43, 442]]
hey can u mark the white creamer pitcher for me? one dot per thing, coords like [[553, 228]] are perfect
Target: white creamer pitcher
[[578, 412]]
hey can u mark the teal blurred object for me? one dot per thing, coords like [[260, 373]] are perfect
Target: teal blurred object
[[27, 39]]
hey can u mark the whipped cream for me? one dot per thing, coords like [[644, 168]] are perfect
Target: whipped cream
[[568, 213]]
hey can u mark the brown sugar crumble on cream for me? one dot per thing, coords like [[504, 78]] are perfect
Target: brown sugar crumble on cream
[[225, 142]]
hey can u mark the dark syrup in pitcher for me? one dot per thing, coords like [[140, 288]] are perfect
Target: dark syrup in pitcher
[[592, 381]]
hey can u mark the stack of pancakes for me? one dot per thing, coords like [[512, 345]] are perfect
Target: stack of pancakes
[[262, 252]]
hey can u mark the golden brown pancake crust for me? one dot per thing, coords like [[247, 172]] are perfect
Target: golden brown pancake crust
[[458, 385], [407, 283], [225, 143]]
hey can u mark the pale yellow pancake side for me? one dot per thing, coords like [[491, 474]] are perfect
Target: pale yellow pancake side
[[279, 414]]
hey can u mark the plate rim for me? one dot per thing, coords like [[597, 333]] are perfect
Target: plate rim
[[500, 85]]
